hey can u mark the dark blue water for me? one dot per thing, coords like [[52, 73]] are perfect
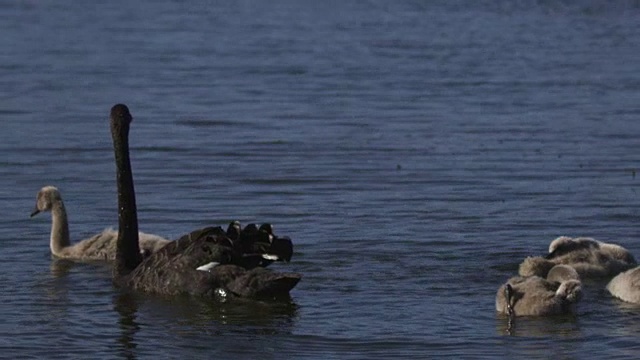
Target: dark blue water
[[415, 151]]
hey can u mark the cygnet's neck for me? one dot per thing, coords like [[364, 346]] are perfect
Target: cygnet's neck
[[59, 228]]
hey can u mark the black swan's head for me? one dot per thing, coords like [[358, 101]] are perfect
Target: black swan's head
[[120, 114]]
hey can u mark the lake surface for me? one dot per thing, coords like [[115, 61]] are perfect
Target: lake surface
[[415, 151]]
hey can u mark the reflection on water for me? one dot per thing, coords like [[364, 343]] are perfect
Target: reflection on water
[[188, 319], [631, 314], [124, 303], [531, 326], [61, 267], [207, 315], [55, 291]]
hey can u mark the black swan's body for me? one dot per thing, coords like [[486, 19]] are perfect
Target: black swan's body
[[173, 269]]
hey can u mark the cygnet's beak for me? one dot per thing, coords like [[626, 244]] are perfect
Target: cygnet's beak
[[35, 212]]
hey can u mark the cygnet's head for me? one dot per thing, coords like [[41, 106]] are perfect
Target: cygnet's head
[[535, 266], [558, 242], [561, 273], [570, 290], [565, 244], [47, 196]]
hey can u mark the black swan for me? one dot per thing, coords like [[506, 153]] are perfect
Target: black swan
[[101, 246], [173, 270]]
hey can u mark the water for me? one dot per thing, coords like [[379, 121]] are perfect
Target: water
[[415, 151]]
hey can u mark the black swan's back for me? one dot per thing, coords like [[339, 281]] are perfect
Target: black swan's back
[[173, 270]]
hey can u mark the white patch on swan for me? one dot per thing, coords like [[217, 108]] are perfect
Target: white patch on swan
[[270, 257], [208, 266]]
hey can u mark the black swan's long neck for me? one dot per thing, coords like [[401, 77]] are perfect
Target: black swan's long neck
[[127, 249]]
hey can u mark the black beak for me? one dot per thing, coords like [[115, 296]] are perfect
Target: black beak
[[35, 212]]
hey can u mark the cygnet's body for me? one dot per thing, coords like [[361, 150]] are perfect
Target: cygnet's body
[[565, 245], [589, 257], [101, 246], [626, 286], [537, 296]]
